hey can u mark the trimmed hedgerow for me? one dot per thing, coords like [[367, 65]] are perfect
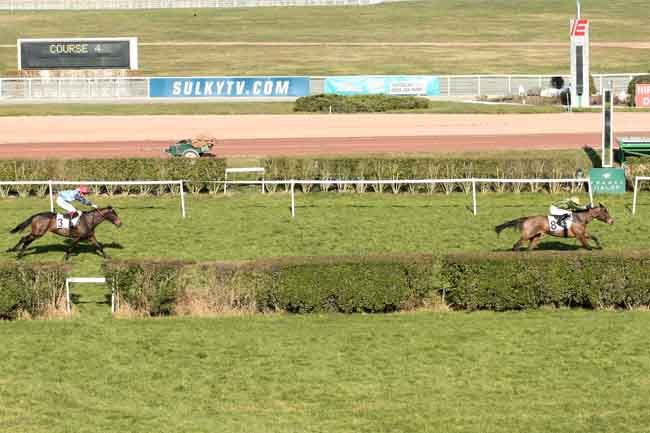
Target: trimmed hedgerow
[[31, 289], [325, 103], [516, 281], [198, 172], [386, 283], [301, 285], [526, 165]]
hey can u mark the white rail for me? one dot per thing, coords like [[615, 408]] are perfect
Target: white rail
[[118, 88], [52, 183], [85, 280], [637, 180]]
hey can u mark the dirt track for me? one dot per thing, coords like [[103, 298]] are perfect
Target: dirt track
[[249, 135]]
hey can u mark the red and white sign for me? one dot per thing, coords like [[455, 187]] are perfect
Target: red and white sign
[[579, 30], [642, 95]]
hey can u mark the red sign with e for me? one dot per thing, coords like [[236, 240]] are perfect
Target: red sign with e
[[642, 97]]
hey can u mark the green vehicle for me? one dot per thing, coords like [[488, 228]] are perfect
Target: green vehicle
[[189, 148]]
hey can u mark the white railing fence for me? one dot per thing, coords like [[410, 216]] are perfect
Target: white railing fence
[[637, 181], [52, 183], [115, 88], [473, 181]]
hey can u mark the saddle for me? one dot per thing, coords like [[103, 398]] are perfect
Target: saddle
[[560, 224], [64, 221]]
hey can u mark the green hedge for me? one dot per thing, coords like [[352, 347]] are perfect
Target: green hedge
[[516, 281], [324, 103], [520, 165], [306, 285], [34, 289], [385, 283], [196, 171], [631, 88]]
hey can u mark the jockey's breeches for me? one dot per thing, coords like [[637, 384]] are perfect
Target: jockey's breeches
[[65, 205]]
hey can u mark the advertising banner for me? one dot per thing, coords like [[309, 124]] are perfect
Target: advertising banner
[[219, 87], [607, 180], [413, 85], [642, 95]]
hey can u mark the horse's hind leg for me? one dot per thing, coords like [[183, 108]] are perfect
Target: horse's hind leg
[[70, 248], [518, 244], [20, 242], [25, 240], [534, 241]]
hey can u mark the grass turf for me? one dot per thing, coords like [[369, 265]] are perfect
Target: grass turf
[[251, 226], [185, 108], [419, 21], [427, 372]]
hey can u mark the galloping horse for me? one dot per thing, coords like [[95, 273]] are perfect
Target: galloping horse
[[44, 222], [532, 228]]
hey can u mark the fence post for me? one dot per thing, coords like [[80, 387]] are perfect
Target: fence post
[[180, 183], [448, 85], [509, 84], [67, 296], [293, 199], [636, 186], [49, 185], [474, 196], [591, 192], [479, 85], [225, 183]]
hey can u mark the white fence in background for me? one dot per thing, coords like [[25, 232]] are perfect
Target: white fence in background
[[52, 183], [451, 86], [474, 181], [30, 5], [637, 180], [85, 280]]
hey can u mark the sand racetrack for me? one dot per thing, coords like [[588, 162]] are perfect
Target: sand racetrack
[[258, 135]]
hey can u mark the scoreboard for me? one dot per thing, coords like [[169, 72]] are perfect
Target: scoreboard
[[93, 53]]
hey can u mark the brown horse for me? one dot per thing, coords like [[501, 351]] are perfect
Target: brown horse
[[532, 228], [44, 222]]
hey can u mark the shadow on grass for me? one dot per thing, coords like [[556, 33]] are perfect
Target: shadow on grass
[[547, 246], [62, 248]]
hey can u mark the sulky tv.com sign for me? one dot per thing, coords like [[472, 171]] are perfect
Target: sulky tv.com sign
[[642, 95], [219, 87]]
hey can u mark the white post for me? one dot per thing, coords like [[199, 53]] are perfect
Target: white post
[[180, 183], [293, 199], [113, 305], [591, 192], [67, 295], [49, 185], [636, 186], [225, 183], [448, 85], [479, 85], [263, 188], [509, 84], [474, 195]]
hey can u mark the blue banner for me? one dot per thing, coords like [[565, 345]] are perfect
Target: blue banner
[[424, 85], [219, 87]]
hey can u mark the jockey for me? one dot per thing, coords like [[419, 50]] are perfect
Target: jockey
[[64, 198], [563, 209]]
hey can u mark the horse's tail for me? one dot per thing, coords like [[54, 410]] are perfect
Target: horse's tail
[[23, 225], [514, 224]]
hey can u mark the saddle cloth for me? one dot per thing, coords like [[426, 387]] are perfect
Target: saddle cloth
[[63, 221], [559, 227]]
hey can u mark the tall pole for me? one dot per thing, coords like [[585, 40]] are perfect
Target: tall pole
[[577, 9]]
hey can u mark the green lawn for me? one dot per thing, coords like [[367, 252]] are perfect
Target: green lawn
[[250, 226], [413, 21], [115, 109], [562, 371]]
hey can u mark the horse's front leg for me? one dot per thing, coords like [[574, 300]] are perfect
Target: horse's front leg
[[100, 248], [70, 248], [582, 237], [590, 236]]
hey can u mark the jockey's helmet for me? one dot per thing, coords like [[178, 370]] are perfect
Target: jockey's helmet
[[574, 199], [83, 189]]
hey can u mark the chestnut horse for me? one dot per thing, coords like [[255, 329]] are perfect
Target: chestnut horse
[[532, 228], [44, 222]]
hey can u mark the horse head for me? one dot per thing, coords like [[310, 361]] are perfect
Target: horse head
[[109, 214], [601, 213]]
